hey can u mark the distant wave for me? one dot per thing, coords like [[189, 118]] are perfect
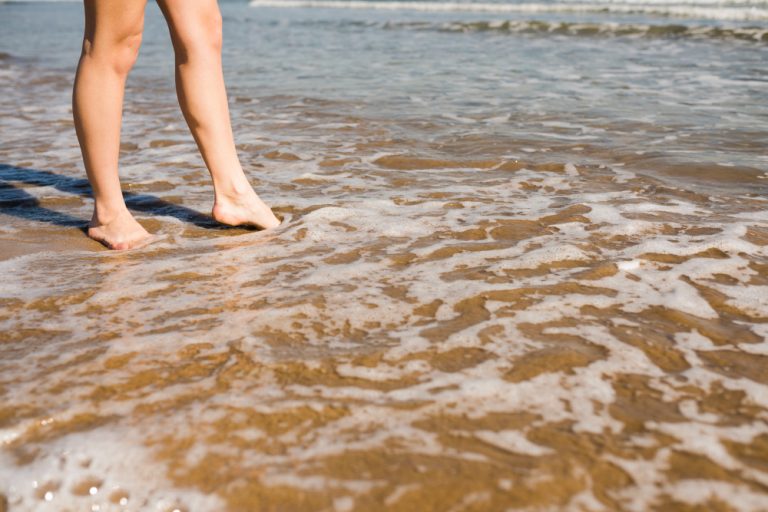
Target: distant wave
[[699, 3], [746, 12], [753, 34]]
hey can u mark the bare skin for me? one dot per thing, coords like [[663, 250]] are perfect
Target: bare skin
[[111, 43]]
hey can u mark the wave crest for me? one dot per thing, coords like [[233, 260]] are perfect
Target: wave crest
[[755, 34]]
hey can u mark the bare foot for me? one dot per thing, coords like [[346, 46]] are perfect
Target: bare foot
[[245, 209], [120, 233]]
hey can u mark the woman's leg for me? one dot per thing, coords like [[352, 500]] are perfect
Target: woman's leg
[[110, 46], [195, 27]]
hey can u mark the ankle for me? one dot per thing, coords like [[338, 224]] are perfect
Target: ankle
[[105, 215], [233, 190]]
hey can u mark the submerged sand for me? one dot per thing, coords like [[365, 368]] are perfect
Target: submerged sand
[[495, 335]]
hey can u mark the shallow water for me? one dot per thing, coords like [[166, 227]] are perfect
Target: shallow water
[[518, 269]]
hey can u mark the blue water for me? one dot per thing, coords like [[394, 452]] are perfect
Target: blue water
[[522, 252]]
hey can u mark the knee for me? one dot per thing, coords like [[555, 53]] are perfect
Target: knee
[[127, 53], [203, 39], [214, 32], [118, 52]]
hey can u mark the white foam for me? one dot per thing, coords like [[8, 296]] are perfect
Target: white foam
[[513, 441], [75, 458]]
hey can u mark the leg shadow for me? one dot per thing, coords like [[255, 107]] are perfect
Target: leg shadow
[[15, 201]]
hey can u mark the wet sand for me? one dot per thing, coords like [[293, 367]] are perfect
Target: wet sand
[[541, 336]]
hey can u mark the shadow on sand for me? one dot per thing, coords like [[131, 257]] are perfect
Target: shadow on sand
[[14, 200]]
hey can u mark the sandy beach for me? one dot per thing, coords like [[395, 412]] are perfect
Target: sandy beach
[[523, 265]]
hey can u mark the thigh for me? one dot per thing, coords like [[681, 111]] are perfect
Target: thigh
[[192, 21], [112, 21]]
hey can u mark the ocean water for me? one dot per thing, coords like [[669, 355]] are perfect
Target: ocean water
[[523, 265]]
